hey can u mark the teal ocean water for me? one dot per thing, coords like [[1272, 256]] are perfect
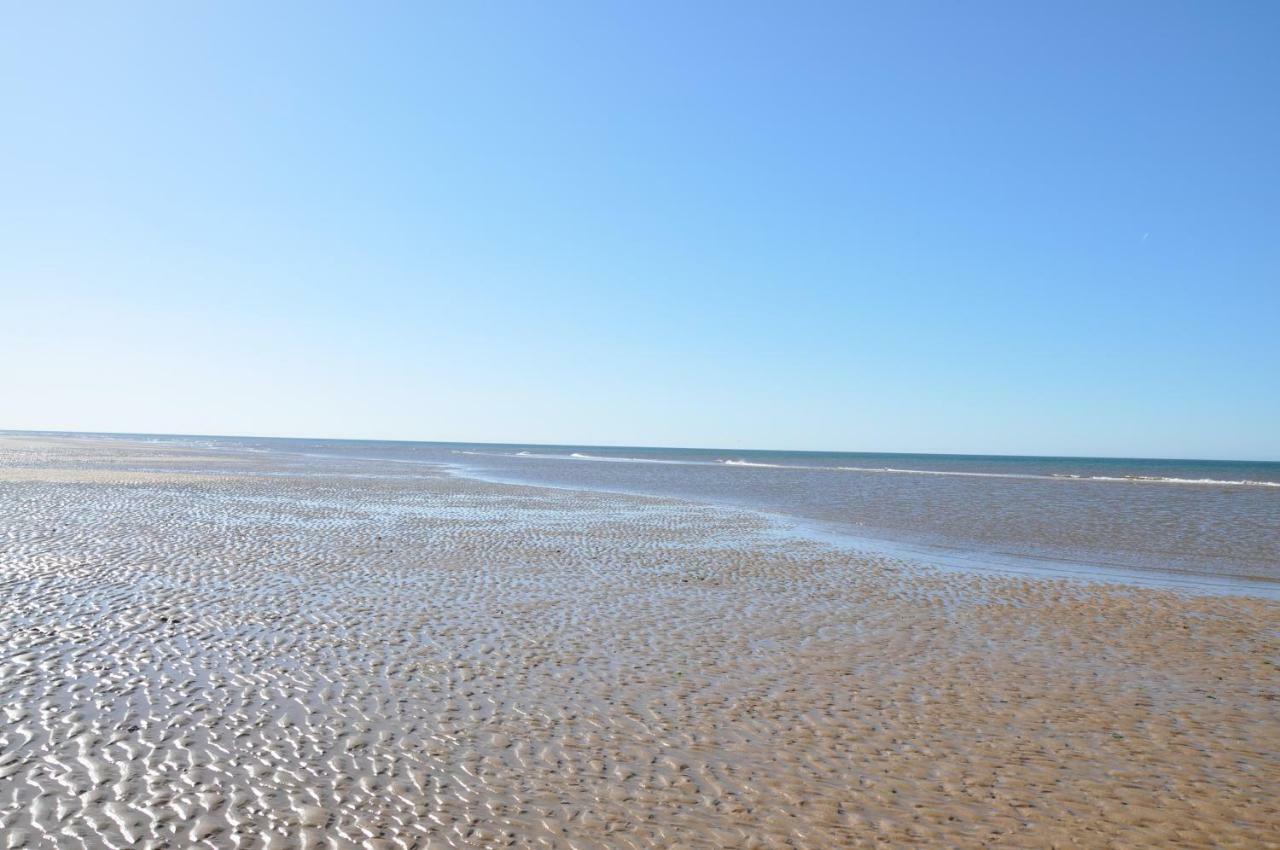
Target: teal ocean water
[[1191, 517]]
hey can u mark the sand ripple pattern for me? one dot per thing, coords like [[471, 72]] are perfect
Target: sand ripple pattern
[[216, 651]]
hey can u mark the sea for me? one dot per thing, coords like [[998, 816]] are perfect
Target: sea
[[1199, 523]]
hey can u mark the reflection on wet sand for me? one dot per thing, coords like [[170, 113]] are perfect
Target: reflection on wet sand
[[202, 649]]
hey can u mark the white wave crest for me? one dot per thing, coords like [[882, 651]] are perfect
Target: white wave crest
[[1156, 479]]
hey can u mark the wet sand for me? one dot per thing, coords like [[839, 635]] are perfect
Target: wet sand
[[205, 649]]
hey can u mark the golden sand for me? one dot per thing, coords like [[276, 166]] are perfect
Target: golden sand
[[201, 649]]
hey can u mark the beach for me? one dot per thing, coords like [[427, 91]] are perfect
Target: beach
[[203, 648]]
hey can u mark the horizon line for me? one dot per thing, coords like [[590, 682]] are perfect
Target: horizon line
[[631, 446]]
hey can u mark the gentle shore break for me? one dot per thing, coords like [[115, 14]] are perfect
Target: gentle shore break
[[222, 650]]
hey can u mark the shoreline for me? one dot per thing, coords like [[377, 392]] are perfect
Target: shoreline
[[942, 557], [883, 542]]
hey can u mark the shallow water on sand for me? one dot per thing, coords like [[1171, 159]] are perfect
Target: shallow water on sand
[[1201, 517], [210, 649]]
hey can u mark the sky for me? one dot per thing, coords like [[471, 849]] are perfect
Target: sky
[[1048, 228]]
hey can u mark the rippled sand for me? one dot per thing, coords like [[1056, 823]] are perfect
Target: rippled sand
[[201, 649]]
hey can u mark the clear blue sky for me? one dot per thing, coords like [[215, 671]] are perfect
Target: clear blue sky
[[971, 227]]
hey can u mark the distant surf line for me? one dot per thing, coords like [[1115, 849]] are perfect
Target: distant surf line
[[734, 462]]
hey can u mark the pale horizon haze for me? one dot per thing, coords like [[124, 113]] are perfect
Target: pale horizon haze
[[991, 228]]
